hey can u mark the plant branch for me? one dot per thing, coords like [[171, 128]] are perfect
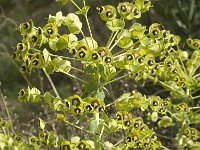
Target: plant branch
[[51, 82], [6, 108], [73, 76], [16, 65], [76, 5], [116, 42]]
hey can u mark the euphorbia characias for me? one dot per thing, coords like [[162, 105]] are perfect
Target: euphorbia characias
[[143, 53]]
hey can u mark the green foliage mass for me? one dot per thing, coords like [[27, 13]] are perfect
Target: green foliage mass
[[141, 53]]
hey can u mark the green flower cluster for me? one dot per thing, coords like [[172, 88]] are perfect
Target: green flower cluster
[[140, 52]]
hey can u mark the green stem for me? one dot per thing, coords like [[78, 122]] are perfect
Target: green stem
[[166, 137], [74, 125], [195, 91], [120, 52], [79, 70], [164, 148], [8, 20], [101, 133], [88, 24], [51, 82], [76, 5], [195, 97], [116, 42], [124, 50], [180, 136], [69, 58], [197, 75], [119, 55], [118, 142], [4, 132], [84, 37], [7, 111], [110, 39], [164, 84], [116, 79], [173, 115], [90, 31], [16, 65], [113, 37], [184, 69], [73, 76], [197, 107]]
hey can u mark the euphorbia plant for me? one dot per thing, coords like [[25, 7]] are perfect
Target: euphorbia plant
[[143, 53]]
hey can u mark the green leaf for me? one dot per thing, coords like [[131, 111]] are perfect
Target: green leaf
[[48, 97], [72, 40], [123, 103], [145, 41], [52, 44], [93, 126], [75, 139], [92, 84], [107, 71], [56, 19], [139, 3], [195, 118], [90, 68], [125, 39], [154, 116], [62, 42], [60, 117], [59, 43], [34, 95], [107, 145], [64, 65], [63, 1], [42, 124], [91, 42], [100, 94], [112, 124], [58, 65], [137, 31], [194, 145], [46, 55], [73, 23], [146, 6], [165, 122], [115, 24], [57, 104]]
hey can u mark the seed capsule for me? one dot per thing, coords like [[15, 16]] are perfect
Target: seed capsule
[[136, 12], [109, 14], [155, 103], [77, 110], [88, 107], [81, 146], [76, 101], [129, 139], [119, 117], [95, 104], [95, 56], [123, 8], [82, 54], [107, 59]]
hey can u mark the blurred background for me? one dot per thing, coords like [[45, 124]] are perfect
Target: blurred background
[[181, 17]]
